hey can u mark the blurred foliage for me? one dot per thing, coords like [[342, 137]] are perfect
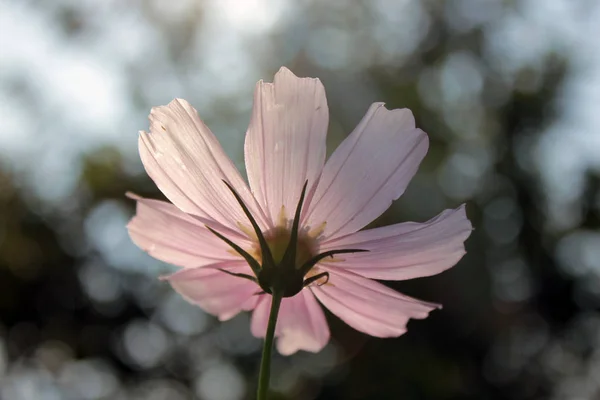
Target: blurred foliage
[[82, 313]]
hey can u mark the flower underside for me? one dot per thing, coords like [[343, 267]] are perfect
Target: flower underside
[[283, 257]]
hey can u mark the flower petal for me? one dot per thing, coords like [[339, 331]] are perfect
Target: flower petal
[[217, 292], [369, 170], [260, 316], [369, 306], [188, 164], [301, 324], [168, 234], [408, 250], [285, 142]]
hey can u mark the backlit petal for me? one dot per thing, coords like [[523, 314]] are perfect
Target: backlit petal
[[216, 292], [285, 142], [260, 316], [407, 250], [370, 169], [301, 324], [188, 164], [369, 306], [170, 235]]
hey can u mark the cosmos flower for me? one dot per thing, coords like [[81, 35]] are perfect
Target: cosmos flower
[[298, 219]]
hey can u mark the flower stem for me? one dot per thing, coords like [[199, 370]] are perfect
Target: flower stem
[[265, 364]]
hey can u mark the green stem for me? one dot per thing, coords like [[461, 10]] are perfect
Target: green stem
[[265, 364]]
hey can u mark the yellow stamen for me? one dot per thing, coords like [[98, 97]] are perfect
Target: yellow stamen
[[248, 231], [278, 238], [281, 219], [317, 230]]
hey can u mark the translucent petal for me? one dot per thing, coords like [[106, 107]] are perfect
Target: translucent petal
[[188, 164], [370, 169], [301, 324], [170, 235], [369, 306], [407, 250], [216, 292], [285, 142]]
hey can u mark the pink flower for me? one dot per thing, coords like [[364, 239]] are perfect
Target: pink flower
[[284, 149]]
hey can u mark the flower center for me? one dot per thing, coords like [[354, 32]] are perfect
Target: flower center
[[283, 256], [278, 240]]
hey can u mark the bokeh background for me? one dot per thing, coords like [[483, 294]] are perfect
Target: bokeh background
[[509, 92]]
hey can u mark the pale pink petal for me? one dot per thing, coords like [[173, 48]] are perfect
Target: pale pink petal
[[188, 164], [301, 324], [285, 142], [369, 170], [260, 316], [171, 235], [408, 250], [369, 306], [217, 292]]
